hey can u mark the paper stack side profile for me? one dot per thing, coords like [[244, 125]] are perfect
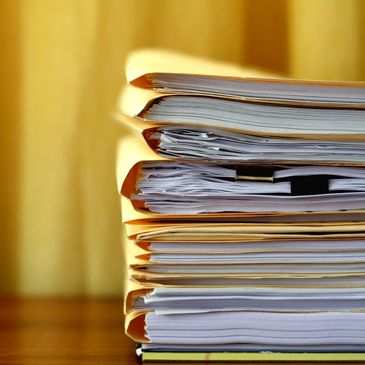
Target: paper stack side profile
[[243, 203]]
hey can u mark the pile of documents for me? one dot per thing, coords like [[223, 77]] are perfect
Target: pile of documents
[[243, 202]]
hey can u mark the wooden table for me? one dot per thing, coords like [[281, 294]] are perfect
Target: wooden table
[[67, 331], [63, 331]]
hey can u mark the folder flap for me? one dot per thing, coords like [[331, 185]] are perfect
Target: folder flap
[[134, 100], [135, 326], [131, 151], [251, 231], [132, 295], [138, 227], [142, 130], [133, 214], [150, 275], [215, 231], [130, 214], [132, 289], [156, 283], [132, 251]]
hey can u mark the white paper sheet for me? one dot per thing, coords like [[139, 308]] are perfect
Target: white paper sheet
[[321, 328], [214, 144], [181, 188], [256, 118]]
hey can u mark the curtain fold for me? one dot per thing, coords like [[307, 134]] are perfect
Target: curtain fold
[[62, 65], [327, 39]]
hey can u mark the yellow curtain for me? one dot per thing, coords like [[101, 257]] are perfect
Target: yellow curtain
[[61, 69]]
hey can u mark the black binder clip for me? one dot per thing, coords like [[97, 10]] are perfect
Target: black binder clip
[[309, 185], [253, 173]]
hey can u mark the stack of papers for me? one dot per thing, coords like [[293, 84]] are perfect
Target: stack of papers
[[208, 144], [243, 200], [178, 188]]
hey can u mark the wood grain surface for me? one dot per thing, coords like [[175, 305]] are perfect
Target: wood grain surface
[[68, 331], [63, 331]]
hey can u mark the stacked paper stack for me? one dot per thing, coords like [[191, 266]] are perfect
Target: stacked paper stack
[[244, 205]]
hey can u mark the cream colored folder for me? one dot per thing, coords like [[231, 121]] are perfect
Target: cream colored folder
[[143, 67], [148, 69], [132, 153]]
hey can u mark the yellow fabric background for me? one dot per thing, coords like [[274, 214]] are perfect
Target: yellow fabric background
[[61, 68]]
